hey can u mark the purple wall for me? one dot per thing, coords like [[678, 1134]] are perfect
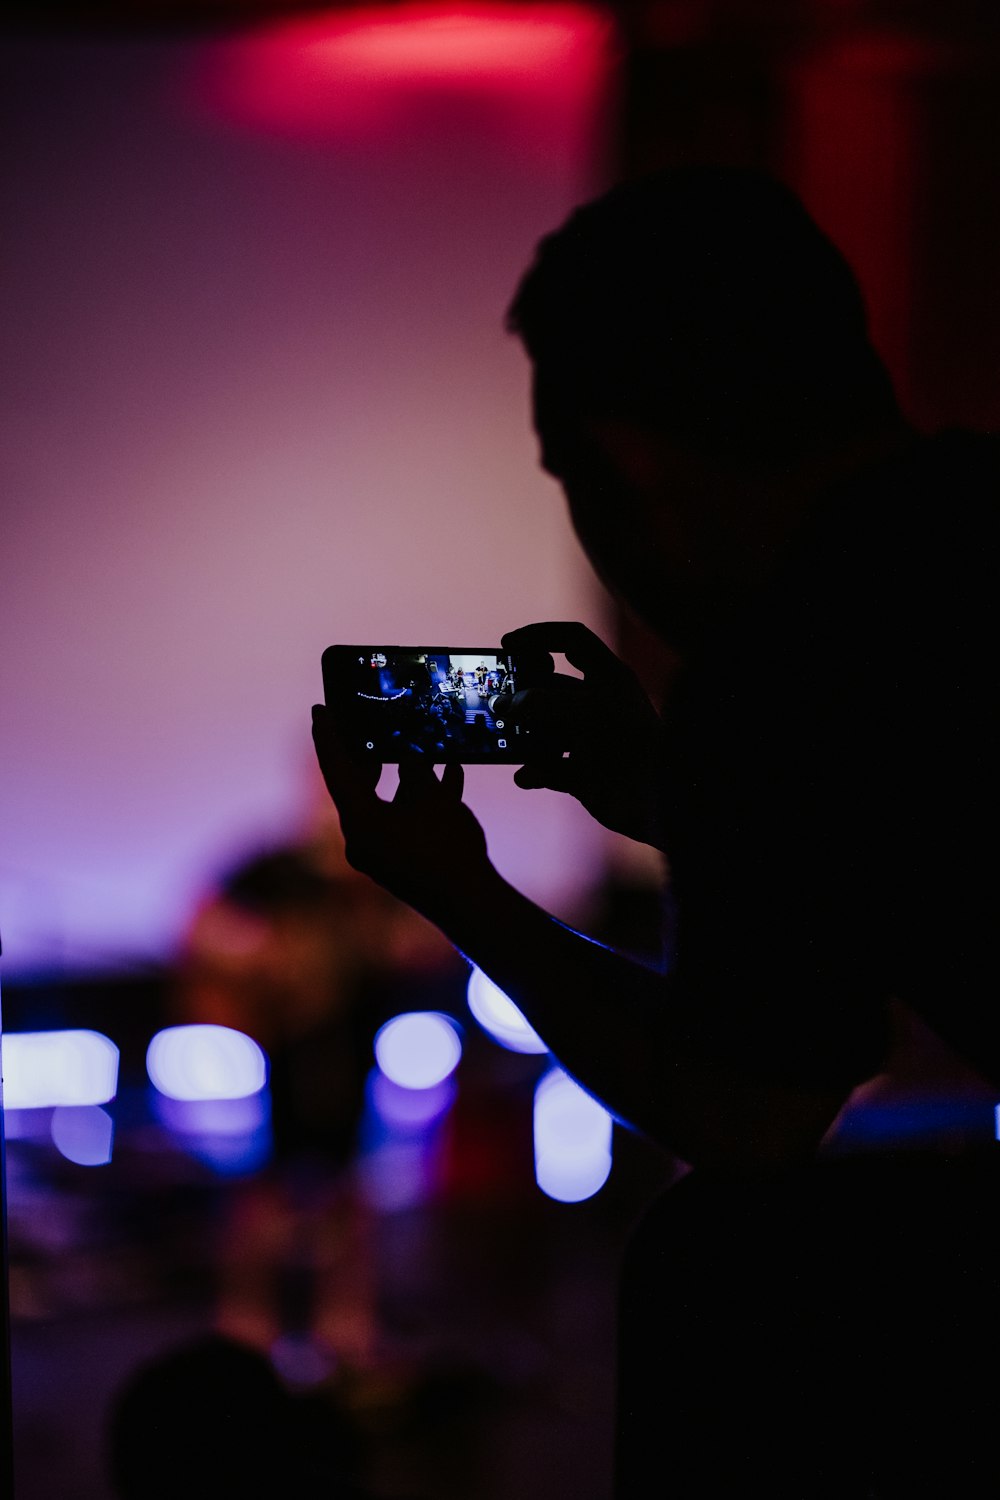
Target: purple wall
[[259, 399]]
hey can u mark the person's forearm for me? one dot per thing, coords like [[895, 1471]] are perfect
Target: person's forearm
[[608, 1022], [590, 1005]]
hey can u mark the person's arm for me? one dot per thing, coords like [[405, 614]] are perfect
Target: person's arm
[[606, 1019], [608, 1022]]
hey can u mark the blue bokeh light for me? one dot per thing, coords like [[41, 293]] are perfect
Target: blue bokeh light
[[499, 1016], [408, 1111], [233, 1137], [418, 1049], [83, 1133], [572, 1137], [216, 1117]]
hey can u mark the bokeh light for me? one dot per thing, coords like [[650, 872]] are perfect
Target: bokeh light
[[572, 1135], [408, 1110], [46, 1068], [500, 1017], [205, 1062], [83, 1133], [231, 1136], [418, 1049]]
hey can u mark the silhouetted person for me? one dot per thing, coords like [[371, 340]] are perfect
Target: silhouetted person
[[737, 468], [211, 1419]]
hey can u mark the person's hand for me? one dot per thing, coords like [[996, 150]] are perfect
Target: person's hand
[[425, 845], [613, 735]]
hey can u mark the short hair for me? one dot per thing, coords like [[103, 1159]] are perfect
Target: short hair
[[706, 303]]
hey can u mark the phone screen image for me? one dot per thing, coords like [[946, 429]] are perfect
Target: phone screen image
[[447, 703]]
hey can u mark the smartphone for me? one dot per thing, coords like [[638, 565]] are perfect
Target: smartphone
[[450, 703]]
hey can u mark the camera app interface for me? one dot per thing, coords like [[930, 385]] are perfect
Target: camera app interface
[[454, 706]]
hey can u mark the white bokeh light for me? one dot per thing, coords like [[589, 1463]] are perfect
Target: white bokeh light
[[418, 1049], [498, 1015], [572, 1137], [42, 1069], [205, 1062]]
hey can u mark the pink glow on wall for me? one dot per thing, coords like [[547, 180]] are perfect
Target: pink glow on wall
[[357, 75], [262, 401]]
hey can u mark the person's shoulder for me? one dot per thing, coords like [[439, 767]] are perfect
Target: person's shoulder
[[932, 506], [896, 559]]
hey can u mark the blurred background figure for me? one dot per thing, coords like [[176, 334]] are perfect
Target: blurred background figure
[[211, 1419], [306, 957]]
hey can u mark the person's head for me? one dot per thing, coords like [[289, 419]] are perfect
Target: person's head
[[211, 1418], [695, 338]]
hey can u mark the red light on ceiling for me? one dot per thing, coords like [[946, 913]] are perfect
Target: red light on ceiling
[[459, 44], [343, 73]]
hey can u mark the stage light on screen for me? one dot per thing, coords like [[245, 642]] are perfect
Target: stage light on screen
[[46, 1068], [83, 1133], [572, 1139], [418, 1049], [205, 1062], [499, 1016]]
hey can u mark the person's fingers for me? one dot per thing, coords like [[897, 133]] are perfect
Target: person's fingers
[[350, 782], [529, 648], [529, 637], [557, 710], [416, 766], [553, 775], [532, 661], [574, 640], [529, 778], [416, 777], [453, 780], [593, 656]]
